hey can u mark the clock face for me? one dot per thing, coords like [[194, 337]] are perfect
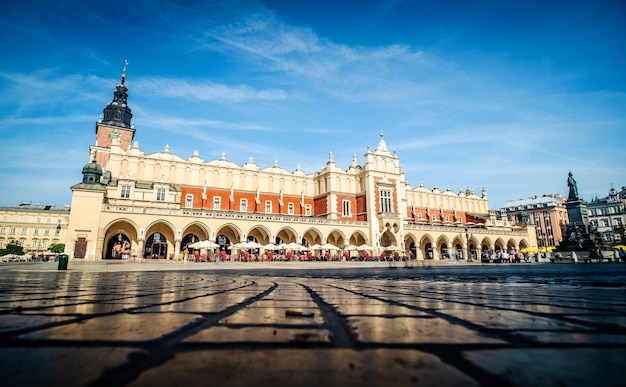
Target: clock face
[[115, 133]]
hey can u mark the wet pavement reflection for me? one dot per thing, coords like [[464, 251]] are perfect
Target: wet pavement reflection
[[454, 325]]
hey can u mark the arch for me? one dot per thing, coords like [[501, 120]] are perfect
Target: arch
[[387, 239], [426, 247], [197, 228], [227, 235], [312, 236], [499, 245], [337, 238], [260, 233], [160, 237], [286, 235], [357, 238], [120, 239], [410, 246]]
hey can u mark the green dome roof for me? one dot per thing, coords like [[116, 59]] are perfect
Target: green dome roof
[[92, 173]]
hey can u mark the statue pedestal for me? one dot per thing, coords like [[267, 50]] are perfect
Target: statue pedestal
[[577, 212]]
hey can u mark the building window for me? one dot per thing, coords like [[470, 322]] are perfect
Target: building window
[[3, 230], [5, 218], [38, 220], [290, 210], [1, 242], [125, 192], [217, 202], [419, 216], [36, 231], [385, 201], [188, 201], [160, 194], [46, 232], [12, 231], [345, 208], [268, 207], [26, 219], [48, 220], [33, 243], [44, 244], [307, 210], [24, 230], [243, 205]]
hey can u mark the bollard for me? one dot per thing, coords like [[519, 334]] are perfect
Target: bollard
[[63, 259]]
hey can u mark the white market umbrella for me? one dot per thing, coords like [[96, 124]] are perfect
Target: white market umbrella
[[365, 247], [329, 246], [251, 245], [205, 245], [270, 246], [295, 247]]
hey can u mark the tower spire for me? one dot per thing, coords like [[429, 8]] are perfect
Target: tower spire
[[117, 112]]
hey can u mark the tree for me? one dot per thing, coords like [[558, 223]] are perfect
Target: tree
[[57, 247], [12, 249]]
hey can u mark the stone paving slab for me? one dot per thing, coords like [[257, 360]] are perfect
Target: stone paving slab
[[229, 327]]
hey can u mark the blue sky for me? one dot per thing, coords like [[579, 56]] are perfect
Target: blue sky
[[509, 96]]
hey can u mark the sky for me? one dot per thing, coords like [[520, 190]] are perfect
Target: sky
[[506, 96]]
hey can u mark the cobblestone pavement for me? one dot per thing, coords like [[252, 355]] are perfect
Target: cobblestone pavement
[[230, 328]]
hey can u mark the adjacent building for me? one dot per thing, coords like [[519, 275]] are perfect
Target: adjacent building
[[607, 214], [155, 204], [547, 213], [35, 227]]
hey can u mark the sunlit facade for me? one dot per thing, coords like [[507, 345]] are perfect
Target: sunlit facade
[[152, 205], [35, 227]]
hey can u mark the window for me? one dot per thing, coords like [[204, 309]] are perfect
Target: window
[[307, 210], [268, 207], [1, 242], [5, 218], [36, 231], [33, 243], [419, 216], [49, 220], [188, 201], [243, 205], [46, 231], [217, 202], [38, 220], [24, 230], [26, 219], [345, 208], [125, 192], [385, 201], [160, 194], [44, 244], [3, 230], [290, 209], [12, 231]]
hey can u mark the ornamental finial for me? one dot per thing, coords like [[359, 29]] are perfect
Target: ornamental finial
[[124, 72]]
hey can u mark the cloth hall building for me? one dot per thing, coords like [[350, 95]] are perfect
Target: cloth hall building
[[153, 205]]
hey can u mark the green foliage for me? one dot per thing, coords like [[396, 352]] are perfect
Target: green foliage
[[57, 248], [12, 249]]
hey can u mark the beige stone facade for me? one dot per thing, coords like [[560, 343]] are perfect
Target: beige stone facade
[[35, 227], [155, 204]]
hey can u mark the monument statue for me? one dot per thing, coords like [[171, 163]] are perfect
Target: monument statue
[[573, 189]]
